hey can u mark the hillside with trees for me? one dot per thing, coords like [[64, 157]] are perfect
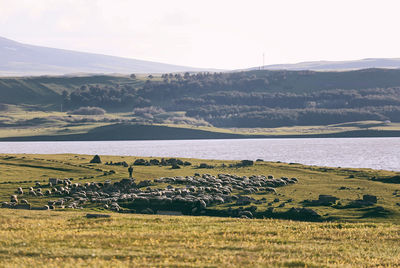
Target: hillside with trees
[[257, 98], [237, 99]]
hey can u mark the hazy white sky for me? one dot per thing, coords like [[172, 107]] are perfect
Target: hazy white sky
[[209, 33]]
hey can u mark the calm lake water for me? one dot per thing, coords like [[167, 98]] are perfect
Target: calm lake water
[[377, 153]]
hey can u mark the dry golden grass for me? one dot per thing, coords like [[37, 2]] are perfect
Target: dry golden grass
[[68, 239]]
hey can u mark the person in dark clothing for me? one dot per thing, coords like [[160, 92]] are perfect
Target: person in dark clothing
[[130, 170]]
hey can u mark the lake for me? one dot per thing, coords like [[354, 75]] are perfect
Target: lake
[[376, 153]]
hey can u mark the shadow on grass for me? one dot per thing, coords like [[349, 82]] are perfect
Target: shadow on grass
[[375, 212]]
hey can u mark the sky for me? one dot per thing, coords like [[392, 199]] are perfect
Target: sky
[[210, 33]]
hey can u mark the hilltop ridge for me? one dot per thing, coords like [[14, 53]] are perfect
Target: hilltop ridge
[[25, 59]]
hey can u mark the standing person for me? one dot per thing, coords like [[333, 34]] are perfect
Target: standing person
[[130, 170]]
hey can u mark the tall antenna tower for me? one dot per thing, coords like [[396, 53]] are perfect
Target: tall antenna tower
[[263, 63]]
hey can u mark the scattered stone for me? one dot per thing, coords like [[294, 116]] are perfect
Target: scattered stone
[[96, 160], [303, 213], [327, 199], [175, 166], [96, 216], [370, 198], [204, 165]]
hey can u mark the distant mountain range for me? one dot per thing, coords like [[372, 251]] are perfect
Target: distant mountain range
[[392, 63], [23, 59]]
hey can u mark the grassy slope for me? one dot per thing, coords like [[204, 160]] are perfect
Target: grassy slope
[[305, 81], [56, 130], [46, 90], [49, 238]]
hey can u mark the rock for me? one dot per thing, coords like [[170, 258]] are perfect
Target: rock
[[96, 160], [327, 199], [370, 198], [246, 163], [175, 166], [204, 165], [303, 213], [96, 216]]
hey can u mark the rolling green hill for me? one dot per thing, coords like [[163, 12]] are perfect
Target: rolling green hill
[[47, 90], [253, 99]]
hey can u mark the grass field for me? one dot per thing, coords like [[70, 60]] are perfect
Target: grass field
[[27, 123], [24, 170], [68, 239], [351, 237]]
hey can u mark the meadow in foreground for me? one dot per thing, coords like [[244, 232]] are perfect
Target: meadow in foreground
[[348, 236], [68, 239]]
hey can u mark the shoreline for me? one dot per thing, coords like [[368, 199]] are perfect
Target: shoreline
[[158, 132]]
